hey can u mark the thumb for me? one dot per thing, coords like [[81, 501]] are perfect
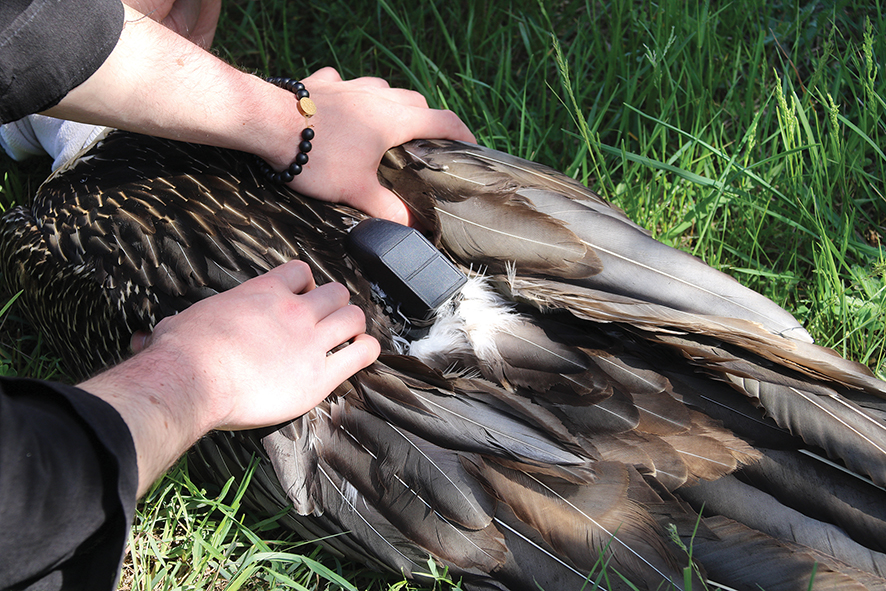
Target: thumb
[[139, 341], [384, 204]]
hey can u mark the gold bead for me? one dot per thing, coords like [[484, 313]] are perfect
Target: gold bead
[[307, 107]]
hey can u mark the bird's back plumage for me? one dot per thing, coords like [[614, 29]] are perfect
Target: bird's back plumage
[[587, 393]]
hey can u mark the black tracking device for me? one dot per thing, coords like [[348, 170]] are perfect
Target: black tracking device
[[407, 268]]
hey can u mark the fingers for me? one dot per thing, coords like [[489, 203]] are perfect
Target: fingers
[[325, 75], [403, 97], [435, 123], [194, 20], [381, 203], [295, 275], [350, 359], [339, 327], [422, 122], [370, 82], [325, 306], [328, 299], [323, 309], [328, 74], [378, 86], [140, 339]]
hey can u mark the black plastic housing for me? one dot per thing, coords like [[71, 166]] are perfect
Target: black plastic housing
[[411, 272]]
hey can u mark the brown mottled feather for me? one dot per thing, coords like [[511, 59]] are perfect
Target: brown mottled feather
[[603, 374]]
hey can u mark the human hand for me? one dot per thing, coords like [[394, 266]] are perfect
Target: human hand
[[357, 121], [259, 354], [253, 356]]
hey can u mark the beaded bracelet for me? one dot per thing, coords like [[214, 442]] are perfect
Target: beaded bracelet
[[307, 108]]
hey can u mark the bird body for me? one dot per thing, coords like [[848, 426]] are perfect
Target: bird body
[[587, 393]]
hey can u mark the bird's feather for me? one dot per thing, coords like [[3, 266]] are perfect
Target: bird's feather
[[752, 507], [586, 382], [476, 190], [751, 560], [819, 488], [583, 521], [408, 504]]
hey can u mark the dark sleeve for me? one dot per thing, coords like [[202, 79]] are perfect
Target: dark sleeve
[[68, 485], [48, 47]]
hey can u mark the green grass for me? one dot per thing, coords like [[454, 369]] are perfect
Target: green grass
[[751, 134]]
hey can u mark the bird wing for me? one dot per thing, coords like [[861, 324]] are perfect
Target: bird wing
[[561, 433]]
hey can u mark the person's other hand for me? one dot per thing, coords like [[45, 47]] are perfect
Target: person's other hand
[[357, 121], [259, 354]]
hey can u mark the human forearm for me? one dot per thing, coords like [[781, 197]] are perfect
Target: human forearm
[[164, 404], [158, 83], [159, 408]]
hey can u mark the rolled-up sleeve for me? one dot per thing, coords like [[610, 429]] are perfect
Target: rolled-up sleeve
[[48, 47], [68, 485]]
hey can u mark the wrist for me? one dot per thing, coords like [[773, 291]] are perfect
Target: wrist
[[163, 404], [290, 158], [184, 381]]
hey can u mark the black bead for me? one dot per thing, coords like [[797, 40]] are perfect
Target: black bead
[[301, 158], [307, 134], [304, 146], [295, 169], [302, 93]]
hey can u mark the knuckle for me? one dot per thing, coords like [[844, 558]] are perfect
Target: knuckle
[[357, 313]]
